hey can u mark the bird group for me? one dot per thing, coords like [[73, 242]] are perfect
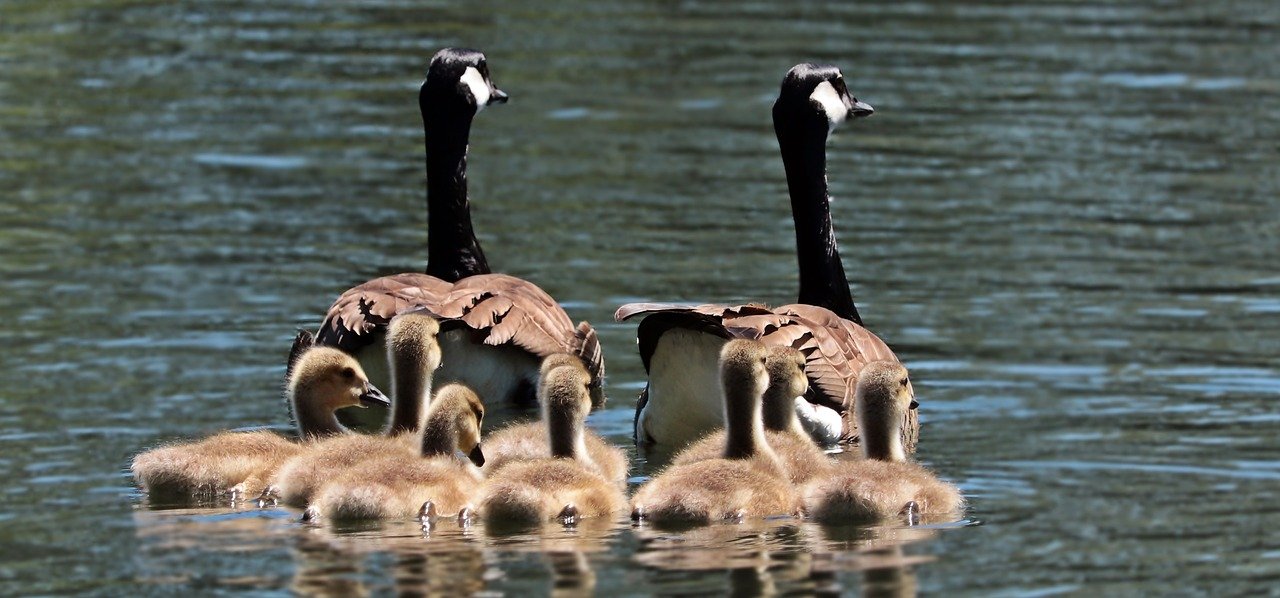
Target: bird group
[[746, 397]]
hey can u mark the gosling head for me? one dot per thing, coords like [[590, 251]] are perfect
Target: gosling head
[[814, 97], [787, 382], [564, 394], [413, 352], [417, 329], [333, 380], [459, 407], [881, 401], [323, 380], [743, 373], [459, 77]]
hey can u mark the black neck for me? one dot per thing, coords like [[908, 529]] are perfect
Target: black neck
[[822, 279], [453, 252]]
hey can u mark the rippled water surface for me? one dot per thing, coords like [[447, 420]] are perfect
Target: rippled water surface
[[1063, 216]]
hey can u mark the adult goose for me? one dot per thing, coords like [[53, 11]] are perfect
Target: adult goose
[[679, 344], [494, 328]]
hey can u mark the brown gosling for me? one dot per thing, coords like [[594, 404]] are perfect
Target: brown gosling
[[563, 486], [523, 442], [802, 459], [413, 355], [747, 480], [393, 485], [885, 484], [323, 380]]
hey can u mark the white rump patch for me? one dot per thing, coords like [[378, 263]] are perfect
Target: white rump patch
[[685, 401], [479, 89], [495, 373], [825, 96], [822, 423]]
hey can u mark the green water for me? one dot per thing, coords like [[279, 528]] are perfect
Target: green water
[[1063, 217]]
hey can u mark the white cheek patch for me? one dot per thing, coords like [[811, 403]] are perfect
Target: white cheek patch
[[825, 96], [479, 89]]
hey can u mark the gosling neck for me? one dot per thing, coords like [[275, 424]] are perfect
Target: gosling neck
[[881, 435], [411, 376], [453, 252], [565, 436], [804, 156], [779, 411], [744, 430], [440, 434], [314, 419]]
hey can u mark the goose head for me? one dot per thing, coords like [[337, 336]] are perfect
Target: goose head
[[453, 423], [324, 380], [564, 394], [881, 401], [814, 98], [787, 382], [459, 78]]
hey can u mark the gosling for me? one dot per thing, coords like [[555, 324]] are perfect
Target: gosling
[[413, 354], [747, 480], [524, 442], [885, 484], [563, 486], [397, 486], [322, 381], [800, 457]]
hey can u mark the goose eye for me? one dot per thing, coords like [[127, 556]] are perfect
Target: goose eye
[[903, 382], [348, 373]]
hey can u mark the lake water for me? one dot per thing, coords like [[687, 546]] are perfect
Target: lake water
[[1063, 217]]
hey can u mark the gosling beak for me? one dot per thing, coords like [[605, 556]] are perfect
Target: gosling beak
[[476, 456], [497, 96], [372, 397], [861, 110], [914, 404]]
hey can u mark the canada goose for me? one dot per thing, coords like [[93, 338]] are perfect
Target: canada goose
[[522, 442], [885, 483], [800, 457], [394, 485], [564, 486], [413, 354], [322, 381], [679, 344], [495, 328], [748, 480]]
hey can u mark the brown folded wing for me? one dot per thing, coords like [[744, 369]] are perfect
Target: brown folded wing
[[835, 349], [507, 309]]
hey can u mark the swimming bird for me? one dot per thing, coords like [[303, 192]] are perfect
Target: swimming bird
[[495, 328], [679, 344], [800, 456], [885, 483], [414, 355], [564, 486], [523, 442], [748, 480], [322, 380], [395, 485]]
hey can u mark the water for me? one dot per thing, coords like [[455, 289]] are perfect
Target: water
[[1062, 216]]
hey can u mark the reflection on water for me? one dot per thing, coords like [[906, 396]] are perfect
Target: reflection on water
[[1062, 217]]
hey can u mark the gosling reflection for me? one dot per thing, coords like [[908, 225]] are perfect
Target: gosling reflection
[[350, 560]]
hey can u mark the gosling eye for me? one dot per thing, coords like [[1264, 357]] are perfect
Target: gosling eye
[[904, 382], [348, 373]]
